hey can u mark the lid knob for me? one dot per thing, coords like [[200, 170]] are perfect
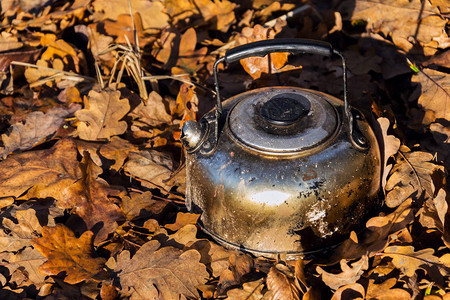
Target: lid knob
[[285, 109]]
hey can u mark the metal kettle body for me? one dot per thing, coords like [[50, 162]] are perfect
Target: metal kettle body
[[281, 169]]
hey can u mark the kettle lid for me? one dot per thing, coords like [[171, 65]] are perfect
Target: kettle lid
[[283, 120]]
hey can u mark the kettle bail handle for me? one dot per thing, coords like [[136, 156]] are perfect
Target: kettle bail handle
[[293, 46]]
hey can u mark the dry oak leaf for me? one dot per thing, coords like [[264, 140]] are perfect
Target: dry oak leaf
[[153, 167], [382, 291], [182, 220], [20, 234], [350, 274], [255, 66], [407, 261], [42, 173], [36, 128], [411, 176], [152, 12], [250, 291], [281, 282], [28, 262], [141, 204], [117, 150], [152, 111], [74, 257], [215, 257], [57, 48], [9, 42], [403, 20], [221, 11], [100, 119], [180, 9], [436, 215], [163, 273], [434, 89]]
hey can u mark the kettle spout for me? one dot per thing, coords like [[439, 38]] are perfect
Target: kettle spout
[[192, 134]]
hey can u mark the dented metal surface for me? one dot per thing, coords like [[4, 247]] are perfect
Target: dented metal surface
[[277, 195]]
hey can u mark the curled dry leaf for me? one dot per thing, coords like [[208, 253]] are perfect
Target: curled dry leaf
[[385, 290], [164, 273], [410, 177], [436, 215], [117, 150], [68, 255], [36, 128], [220, 11], [349, 291], [408, 261], [349, 274], [391, 146], [281, 282], [100, 119], [255, 66]]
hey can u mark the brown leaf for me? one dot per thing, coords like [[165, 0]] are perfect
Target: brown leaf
[[400, 20], [221, 11], [66, 253], [21, 233], [140, 204], [436, 215], [100, 119], [410, 175], [406, 260], [36, 128], [434, 87], [152, 166], [384, 290], [9, 42], [42, 173], [189, 59], [117, 149], [349, 291], [27, 261], [255, 66], [57, 48], [350, 274], [215, 257], [162, 273], [111, 9], [250, 291], [239, 265], [282, 283], [391, 146], [152, 111], [182, 220]]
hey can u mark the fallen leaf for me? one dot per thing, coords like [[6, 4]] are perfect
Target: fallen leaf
[[221, 11], [182, 220], [410, 176], [9, 42], [138, 205], [68, 255], [41, 173], [27, 261], [391, 146], [162, 273], [255, 66], [189, 60], [215, 257], [349, 274], [434, 87], [117, 150], [408, 261], [58, 48], [100, 119], [437, 211], [36, 128], [349, 291], [250, 291], [404, 21], [152, 111], [282, 283], [385, 290], [239, 265], [19, 235], [152, 166]]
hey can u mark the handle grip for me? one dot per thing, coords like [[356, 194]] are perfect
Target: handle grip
[[293, 46]]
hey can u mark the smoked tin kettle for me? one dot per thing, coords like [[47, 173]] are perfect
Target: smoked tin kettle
[[281, 169]]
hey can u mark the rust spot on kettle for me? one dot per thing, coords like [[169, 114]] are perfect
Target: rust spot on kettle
[[310, 175]]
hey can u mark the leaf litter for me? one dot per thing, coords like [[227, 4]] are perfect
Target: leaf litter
[[92, 182]]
